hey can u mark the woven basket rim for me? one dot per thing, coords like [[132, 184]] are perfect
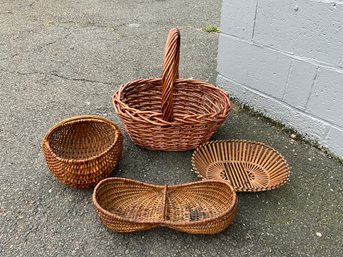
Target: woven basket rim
[[162, 223], [77, 119], [243, 189], [116, 100]]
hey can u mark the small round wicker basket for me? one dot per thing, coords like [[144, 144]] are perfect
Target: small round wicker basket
[[82, 150]]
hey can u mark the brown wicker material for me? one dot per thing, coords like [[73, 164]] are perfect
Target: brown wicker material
[[82, 150], [168, 113], [203, 207], [248, 166]]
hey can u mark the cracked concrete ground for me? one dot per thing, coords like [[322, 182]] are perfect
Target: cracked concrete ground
[[65, 58]]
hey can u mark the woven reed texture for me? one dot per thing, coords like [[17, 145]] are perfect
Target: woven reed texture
[[248, 166], [82, 150], [203, 207], [169, 113]]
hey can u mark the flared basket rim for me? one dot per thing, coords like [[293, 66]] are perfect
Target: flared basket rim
[[119, 104], [78, 119], [243, 189]]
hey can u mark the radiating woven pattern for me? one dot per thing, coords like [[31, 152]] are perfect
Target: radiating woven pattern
[[168, 113], [82, 150], [205, 207], [248, 166]]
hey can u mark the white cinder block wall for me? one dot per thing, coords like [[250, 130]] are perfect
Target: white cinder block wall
[[285, 59]]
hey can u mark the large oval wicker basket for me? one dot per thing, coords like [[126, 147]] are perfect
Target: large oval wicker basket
[[82, 150], [248, 166], [203, 207], [168, 113]]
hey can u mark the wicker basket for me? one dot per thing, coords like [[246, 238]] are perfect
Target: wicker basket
[[205, 207], [248, 166], [82, 150], [168, 113]]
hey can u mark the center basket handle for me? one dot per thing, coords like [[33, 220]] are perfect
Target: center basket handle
[[170, 72]]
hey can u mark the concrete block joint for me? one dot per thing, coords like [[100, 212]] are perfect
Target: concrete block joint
[[280, 59]]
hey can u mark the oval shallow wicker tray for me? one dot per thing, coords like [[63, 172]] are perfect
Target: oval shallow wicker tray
[[203, 207], [248, 166], [82, 150]]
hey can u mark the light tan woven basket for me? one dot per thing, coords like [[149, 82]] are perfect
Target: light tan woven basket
[[248, 166], [203, 207], [82, 150], [168, 113]]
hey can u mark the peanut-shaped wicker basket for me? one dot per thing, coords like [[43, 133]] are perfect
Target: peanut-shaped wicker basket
[[82, 150], [169, 113], [203, 207], [248, 166]]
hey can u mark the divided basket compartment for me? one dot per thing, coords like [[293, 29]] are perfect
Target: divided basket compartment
[[82, 150], [247, 166], [203, 207], [169, 113]]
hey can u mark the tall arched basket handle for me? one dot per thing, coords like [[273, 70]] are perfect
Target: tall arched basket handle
[[170, 72]]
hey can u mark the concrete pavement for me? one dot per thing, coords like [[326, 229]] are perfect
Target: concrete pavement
[[64, 58]]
